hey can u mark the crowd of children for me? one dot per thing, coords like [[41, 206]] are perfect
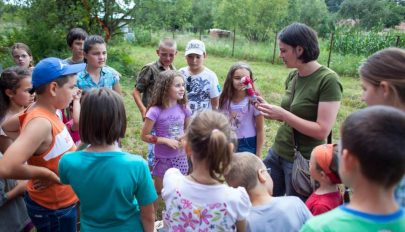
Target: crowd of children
[[62, 122]]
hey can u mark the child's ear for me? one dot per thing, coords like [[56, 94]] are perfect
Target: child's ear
[[385, 86], [157, 51], [10, 93], [349, 162], [231, 146], [261, 175], [52, 88]]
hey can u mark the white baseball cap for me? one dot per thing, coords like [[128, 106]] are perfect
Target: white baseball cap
[[195, 46]]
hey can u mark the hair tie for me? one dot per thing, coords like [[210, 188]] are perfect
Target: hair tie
[[214, 130], [323, 157]]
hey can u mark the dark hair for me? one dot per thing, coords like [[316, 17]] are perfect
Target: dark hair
[[10, 79], [162, 87], [375, 136], [209, 138], [228, 90], [62, 80], [387, 65], [90, 41], [24, 47], [299, 34], [74, 34], [102, 117]]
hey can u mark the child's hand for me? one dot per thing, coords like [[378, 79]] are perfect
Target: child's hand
[[173, 143], [21, 187], [77, 95]]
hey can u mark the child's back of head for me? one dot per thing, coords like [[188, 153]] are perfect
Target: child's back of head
[[268, 213], [102, 117], [244, 170], [375, 137], [208, 136]]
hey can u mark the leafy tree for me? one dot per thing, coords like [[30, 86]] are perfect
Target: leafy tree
[[333, 5], [255, 18], [293, 13], [372, 13], [314, 13], [202, 15]]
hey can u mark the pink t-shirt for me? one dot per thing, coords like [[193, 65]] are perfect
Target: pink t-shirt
[[169, 123], [74, 133], [319, 204], [242, 116]]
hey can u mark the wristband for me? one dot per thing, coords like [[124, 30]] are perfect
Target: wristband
[[153, 139]]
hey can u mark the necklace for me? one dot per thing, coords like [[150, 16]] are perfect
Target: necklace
[[200, 182]]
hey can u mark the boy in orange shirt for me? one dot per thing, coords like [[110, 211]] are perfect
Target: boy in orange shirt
[[42, 142]]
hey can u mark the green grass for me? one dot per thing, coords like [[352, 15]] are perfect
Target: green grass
[[270, 82]]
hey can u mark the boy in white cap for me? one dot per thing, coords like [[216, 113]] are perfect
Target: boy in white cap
[[202, 85], [42, 142]]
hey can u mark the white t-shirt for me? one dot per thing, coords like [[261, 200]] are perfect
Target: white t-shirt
[[201, 88], [192, 206]]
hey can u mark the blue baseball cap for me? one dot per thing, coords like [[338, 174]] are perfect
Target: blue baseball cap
[[52, 68]]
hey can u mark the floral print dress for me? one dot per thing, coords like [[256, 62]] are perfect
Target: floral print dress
[[196, 207]]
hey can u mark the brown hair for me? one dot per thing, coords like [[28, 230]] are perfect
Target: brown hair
[[25, 48], [102, 117], [61, 81], [228, 90], [209, 138], [387, 65], [76, 33], [10, 79], [243, 170], [162, 87]]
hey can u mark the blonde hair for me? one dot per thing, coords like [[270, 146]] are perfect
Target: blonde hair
[[162, 87], [243, 170], [387, 65], [168, 42], [209, 135]]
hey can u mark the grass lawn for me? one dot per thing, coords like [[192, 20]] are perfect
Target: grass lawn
[[270, 82]]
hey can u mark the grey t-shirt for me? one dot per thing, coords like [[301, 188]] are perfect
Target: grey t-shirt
[[13, 213], [281, 214]]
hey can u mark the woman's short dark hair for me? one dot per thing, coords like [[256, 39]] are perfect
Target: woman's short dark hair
[[102, 117], [299, 34]]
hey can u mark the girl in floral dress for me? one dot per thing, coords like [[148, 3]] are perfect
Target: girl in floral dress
[[201, 201]]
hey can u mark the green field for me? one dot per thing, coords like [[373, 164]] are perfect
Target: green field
[[270, 82]]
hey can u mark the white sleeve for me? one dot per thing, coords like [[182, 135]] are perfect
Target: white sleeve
[[240, 204], [169, 182]]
